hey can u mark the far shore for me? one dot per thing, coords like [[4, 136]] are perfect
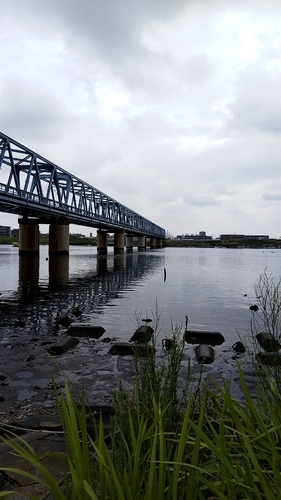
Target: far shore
[[169, 242]]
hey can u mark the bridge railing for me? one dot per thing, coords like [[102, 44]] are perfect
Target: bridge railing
[[42, 206]]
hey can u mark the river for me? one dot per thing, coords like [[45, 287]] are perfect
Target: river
[[214, 287]]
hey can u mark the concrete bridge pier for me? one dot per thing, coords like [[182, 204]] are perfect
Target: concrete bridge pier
[[141, 243], [129, 243], [119, 242], [159, 243], [59, 237], [152, 242], [101, 242], [28, 237]]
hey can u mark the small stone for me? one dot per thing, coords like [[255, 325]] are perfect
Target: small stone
[[142, 335], [65, 321], [254, 308], [85, 331], [239, 347], [63, 346]]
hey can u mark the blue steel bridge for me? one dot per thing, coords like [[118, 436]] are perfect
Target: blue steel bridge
[[33, 187]]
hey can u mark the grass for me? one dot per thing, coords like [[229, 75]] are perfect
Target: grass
[[231, 451]]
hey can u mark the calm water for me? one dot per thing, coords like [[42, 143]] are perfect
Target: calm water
[[208, 285]]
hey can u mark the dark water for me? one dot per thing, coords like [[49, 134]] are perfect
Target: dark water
[[207, 285]]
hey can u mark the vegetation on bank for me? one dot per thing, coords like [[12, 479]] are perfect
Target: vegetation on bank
[[171, 440], [73, 240], [44, 240], [271, 243]]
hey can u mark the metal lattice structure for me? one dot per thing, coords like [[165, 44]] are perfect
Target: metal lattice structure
[[32, 186]]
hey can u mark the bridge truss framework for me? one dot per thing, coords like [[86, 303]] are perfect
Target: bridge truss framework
[[37, 188]]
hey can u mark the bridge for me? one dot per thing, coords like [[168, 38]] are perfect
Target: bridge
[[41, 192]]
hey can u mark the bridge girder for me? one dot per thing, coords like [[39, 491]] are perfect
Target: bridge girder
[[32, 186]]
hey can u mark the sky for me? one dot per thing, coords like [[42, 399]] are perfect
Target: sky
[[171, 107]]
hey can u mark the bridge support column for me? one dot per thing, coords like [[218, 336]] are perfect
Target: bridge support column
[[152, 242], [59, 237], [101, 242], [129, 243], [28, 237], [141, 243], [119, 242], [159, 243]]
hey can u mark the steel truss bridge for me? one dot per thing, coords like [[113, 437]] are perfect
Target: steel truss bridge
[[34, 187]]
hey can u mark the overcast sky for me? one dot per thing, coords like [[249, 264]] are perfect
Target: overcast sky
[[172, 107]]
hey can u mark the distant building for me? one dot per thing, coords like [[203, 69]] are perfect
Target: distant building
[[5, 230], [201, 236], [15, 233], [239, 237], [77, 235]]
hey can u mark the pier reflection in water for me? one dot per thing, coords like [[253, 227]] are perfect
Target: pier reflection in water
[[91, 285]]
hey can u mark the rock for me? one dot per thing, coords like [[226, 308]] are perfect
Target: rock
[[168, 344], [40, 422], [64, 345], [268, 342], [204, 354], [254, 308], [65, 321], [203, 337], [80, 330], [142, 335], [76, 311], [126, 349], [239, 347]]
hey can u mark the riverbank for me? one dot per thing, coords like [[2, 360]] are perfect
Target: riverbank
[[169, 243]]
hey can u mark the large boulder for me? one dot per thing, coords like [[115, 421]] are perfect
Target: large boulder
[[203, 337]]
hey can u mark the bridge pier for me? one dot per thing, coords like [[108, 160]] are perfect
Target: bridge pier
[[141, 243], [119, 242], [152, 242], [159, 243], [129, 243], [101, 242], [59, 237], [28, 236]]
